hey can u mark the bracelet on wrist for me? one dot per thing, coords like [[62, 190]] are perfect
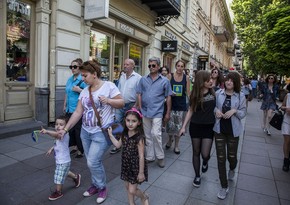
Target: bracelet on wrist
[[66, 130]]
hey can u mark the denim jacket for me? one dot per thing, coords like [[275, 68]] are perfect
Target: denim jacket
[[238, 102]]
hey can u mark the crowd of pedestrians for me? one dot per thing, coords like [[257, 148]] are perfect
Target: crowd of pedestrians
[[212, 107]]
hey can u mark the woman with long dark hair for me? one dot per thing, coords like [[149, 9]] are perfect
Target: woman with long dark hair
[[269, 94], [201, 117]]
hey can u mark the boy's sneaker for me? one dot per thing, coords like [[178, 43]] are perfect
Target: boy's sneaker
[[223, 193], [204, 168], [102, 195], [91, 191], [77, 181], [196, 182], [55, 195], [231, 175], [115, 150]]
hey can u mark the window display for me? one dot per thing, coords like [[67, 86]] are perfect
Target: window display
[[136, 53], [100, 45], [18, 40]]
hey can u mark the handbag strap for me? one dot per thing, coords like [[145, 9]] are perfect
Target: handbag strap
[[94, 107]]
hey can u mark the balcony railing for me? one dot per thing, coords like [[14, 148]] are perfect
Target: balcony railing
[[165, 9], [231, 51], [221, 33]]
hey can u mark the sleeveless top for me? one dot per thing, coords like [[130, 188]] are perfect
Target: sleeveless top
[[179, 100]]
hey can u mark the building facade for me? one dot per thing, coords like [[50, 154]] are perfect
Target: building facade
[[40, 38]]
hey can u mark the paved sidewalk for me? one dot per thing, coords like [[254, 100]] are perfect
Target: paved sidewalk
[[26, 174]]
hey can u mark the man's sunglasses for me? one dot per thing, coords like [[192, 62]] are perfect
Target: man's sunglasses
[[73, 67], [152, 65]]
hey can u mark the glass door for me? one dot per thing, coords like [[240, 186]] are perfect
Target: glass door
[[118, 60]]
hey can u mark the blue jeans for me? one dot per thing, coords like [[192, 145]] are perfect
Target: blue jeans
[[120, 113], [95, 145]]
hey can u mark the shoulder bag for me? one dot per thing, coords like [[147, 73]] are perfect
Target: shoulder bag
[[277, 120], [117, 128]]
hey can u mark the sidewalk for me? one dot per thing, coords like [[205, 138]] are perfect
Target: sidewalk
[[26, 174]]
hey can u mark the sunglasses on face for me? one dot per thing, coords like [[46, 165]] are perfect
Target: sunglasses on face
[[216, 72], [73, 67], [151, 65], [271, 78]]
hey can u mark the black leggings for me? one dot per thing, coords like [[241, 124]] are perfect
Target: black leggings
[[226, 148]]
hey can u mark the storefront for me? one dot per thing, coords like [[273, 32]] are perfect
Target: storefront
[[17, 61]]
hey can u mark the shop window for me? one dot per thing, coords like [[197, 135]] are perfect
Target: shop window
[[136, 53], [168, 62], [118, 61], [100, 47], [18, 40]]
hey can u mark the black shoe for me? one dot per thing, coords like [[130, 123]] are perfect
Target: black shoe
[[196, 182], [176, 150], [204, 168], [286, 164]]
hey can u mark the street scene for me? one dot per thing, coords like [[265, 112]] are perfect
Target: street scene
[[142, 102], [26, 173]]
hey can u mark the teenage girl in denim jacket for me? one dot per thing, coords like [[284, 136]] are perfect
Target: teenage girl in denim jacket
[[230, 109], [269, 93]]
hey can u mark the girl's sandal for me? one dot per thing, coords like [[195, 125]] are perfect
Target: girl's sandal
[[145, 201]]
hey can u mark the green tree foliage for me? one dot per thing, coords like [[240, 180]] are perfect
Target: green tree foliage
[[263, 28]]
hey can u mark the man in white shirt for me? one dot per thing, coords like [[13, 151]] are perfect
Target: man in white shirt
[[127, 85]]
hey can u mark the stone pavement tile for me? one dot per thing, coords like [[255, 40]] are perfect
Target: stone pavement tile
[[275, 139], [25, 153], [162, 196], [186, 155], [32, 183], [254, 159], [7, 146], [176, 183], [92, 201], [183, 146], [283, 190], [10, 196], [280, 175], [208, 192], [191, 201], [113, 164], [6, 161], [257, 185], [256, 170], [275, 151], [40, 161], [245, 197], [284, 202], [44, 146], [15, 171], [251, 149], [27, 140], [276, 163], [254, 138], [182, 168]]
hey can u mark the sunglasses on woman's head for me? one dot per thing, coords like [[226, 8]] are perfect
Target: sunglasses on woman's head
[[73, 67]]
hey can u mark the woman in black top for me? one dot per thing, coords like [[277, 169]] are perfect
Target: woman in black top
[[201, 117]]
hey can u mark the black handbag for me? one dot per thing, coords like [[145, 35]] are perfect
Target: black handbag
[[277, 120]]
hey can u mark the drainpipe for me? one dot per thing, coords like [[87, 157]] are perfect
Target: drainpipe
[[52, 46]]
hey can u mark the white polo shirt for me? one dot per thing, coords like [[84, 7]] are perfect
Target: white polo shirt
[[127, 86]]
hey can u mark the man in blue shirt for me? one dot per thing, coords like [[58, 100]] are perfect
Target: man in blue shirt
[[152, 90], [254, 84]]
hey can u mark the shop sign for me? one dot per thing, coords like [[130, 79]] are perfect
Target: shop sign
[[96, 9], [203, 58], [170, 35], [169, 46], [126, 28], [185, 45], [18, 7]]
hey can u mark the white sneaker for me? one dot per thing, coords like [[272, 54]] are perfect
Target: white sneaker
[[223, 193], [268, 132], [231, 175]]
